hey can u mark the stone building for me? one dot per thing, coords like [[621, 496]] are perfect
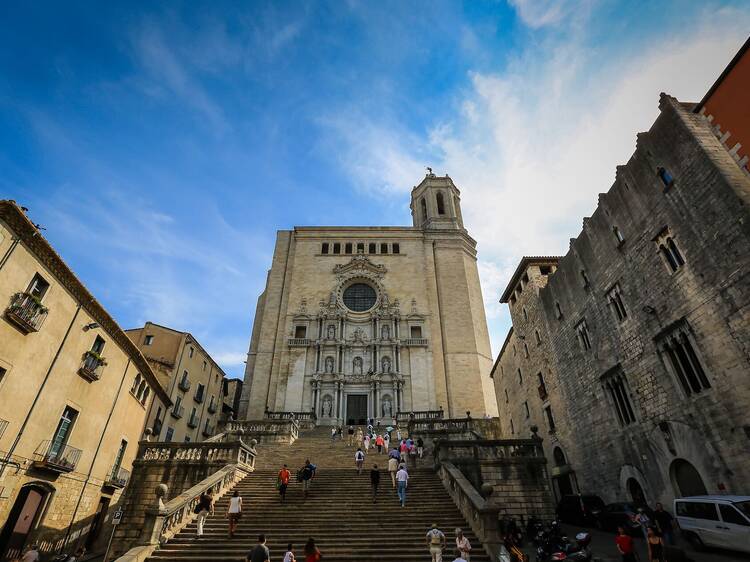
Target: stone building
[[232, 396], [642, 330], [191, 378], [363, 322], [74, 393]]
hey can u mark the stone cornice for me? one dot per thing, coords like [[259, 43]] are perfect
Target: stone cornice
[[33, 240]]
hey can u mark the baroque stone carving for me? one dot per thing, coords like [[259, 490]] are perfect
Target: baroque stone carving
[[357, 366], [329, 364], [327, 408]]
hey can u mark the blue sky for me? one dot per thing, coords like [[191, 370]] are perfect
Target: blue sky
[[162, 145]]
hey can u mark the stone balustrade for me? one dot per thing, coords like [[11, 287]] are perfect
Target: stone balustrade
[[405, 417], [228, 452], [306, 420], [264, 431]]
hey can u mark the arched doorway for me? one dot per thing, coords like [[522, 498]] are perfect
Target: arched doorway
[[23, 517], [686, 479], [559, 457], [562, 485], [636, 492]]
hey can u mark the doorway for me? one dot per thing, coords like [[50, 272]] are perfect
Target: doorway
[[636, 493], [686, 479], [356, 409], [98, 522], [22, 519]]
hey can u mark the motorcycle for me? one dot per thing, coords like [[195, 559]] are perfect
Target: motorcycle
[[554, 545]]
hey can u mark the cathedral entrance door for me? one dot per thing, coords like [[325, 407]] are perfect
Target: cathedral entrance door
[[356, 409]]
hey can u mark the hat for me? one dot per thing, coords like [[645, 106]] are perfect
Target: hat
[[434, 526]]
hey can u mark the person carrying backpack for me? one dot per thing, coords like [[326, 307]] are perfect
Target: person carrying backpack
[[359, 460], [306, 474], [436, 543]]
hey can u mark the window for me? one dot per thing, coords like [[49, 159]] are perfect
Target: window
[[614, 298], [360, 248], [537, 337], [512, 429], [149, 340], [525, 314], [583, 335], [205, 365], [618, 235], [670, 252], [371, 248], [559, 310], [170, 434], [665, 177], [514, 350], [348, 248], [415, 332], [199, 391], [62, 433], [383, 248], [38, 287], [550, 419], [507, 399], [545, 269], [520, 377], [526, 351], [300, 332], [144, 395], [525, 278], [440, 203], [513, 299], [119, 457], [187, 439], [359, 297], [191, 351], [177, 404], [156, 428], [423, 207], [542, 388], [683, 360], [336, 248], [98, 346], [585, 279], [526, 407], [396, 248], [616, 385], [324, 248], [730, 515], [136, 383], [697, 510], [211, 402], [3, 372]]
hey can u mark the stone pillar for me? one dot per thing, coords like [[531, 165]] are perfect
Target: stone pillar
[[317, 359], [376, 395], [339, 397], [315, 398], [397, 358]]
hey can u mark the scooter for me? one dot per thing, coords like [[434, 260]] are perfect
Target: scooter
[[553, 547]]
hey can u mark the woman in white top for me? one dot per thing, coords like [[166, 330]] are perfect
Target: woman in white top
[[235, 512]]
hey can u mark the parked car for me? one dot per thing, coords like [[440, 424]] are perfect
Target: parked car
[[718, 521], [580, 509], [620, 514]]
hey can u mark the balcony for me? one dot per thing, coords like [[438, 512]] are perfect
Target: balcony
[[184, 384], [209, 430], [177, 412], [542, 389], [91, 368], [193, 422], [156, 428], [57, 458], [415, 342], [27, 312], [298, 342], [212, 407], [198, 397], [117, 478]]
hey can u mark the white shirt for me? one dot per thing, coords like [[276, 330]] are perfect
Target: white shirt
[[436, 536], [402, 476], [235, 504], [31, 556], [359, 456], [463, 544], [288, 557]]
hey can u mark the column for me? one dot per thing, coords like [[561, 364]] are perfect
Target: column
[[376, 398], [339, 397], [398, 358], [317, 359], [395, 406], [315, 396]]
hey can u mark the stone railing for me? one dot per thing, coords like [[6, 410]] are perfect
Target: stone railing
[[306, 420], [264, 431], [224, 451], [404, 417], [415, 342], [298, 342], [496, 450], [455, 428], [481, 514]]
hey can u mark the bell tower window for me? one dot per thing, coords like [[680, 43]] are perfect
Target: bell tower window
[[440, 204], [423, 206]]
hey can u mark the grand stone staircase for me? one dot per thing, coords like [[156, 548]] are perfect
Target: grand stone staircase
[[339, 512]]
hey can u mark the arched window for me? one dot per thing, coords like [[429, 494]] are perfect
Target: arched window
[[144, 398], [136, 382], [423, 206], [440, 203], [141, 389]]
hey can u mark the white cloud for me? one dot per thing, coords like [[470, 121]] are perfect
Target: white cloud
[[230, 358]]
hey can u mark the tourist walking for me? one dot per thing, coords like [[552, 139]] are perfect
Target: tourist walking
[[393, 469], [367, 442], [665, 523], [289, 554], [234, 512], [386, 440], [436, 543], [644, 521], [420, 447], [260, 552], [306, 475], [374, 482], [403, 450], [360, 435], [624, 544], [282, 482], [379, 443], [312, 554], [359, 460], [333, 435], [204, 508], [402, 479], [655, 546], [459, 557], [350, 433], [463, 545], [31, 555]]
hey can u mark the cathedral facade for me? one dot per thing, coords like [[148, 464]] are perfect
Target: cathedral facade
[[365, 322]]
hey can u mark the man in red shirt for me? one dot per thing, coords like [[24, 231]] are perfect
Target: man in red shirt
[[624, 544], [282, 482]]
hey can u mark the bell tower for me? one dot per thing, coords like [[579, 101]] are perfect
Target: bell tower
[[436, 204]]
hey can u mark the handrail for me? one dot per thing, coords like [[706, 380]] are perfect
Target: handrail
[[481, 514]]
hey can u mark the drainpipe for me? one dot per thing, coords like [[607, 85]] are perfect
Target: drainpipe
[[7, 254]]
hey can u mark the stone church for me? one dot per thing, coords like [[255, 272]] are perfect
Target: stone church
[[365, 322]]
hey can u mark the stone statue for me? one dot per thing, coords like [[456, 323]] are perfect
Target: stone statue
[[387, 412], [386, 362], [385, 332], [327, 406], [331, 334], [358, 334], [357, 366], [329, 364]]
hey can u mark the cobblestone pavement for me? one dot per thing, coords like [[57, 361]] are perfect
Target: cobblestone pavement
[[604, 549]]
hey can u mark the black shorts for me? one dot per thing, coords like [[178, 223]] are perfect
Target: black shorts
[[282, 488]]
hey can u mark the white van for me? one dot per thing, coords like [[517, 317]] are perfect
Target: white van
[[721, 521]]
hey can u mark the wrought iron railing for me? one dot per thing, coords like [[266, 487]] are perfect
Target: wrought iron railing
[[209, 430], [118, 477], [177, 412], [57, 457], [91, 367], [184, 384], [27, 312], [198, 397], [193, 422], [212, 407]]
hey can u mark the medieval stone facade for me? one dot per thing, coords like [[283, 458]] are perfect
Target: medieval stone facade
[[632, 351], [362, 322]]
